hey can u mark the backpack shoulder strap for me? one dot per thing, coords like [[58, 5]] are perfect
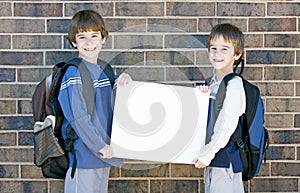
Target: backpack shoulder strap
[[106, 67], [87, 83], [222, 92], [236, 137]]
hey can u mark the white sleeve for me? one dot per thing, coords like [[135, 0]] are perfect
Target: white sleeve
[[233, 107]]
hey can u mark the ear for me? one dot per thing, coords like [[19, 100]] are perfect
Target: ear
[[74, 44], [237, 56], [103, 40]]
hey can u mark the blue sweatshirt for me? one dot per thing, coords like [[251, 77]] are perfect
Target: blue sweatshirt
[[93, 131]]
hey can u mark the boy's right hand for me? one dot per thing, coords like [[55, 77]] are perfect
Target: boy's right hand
[[204, 88], [106, 152]]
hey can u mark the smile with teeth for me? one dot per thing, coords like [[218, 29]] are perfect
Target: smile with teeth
[[218, 60], [89, 49]]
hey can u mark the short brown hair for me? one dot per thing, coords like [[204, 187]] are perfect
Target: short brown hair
[[86, 20], [231, 34]]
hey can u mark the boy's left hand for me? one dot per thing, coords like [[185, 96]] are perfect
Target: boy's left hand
[[124, 79], [198, 163]]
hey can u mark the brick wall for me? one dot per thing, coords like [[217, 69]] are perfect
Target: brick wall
[[157, 40]]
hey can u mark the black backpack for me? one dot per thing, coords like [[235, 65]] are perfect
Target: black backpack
[[50, 149], [253, 141]]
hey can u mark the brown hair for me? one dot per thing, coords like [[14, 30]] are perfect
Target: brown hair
[[86, 20], [231, 34]]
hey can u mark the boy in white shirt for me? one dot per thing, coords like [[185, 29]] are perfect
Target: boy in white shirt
[[220, 156]]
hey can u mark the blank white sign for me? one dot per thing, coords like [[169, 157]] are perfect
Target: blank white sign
[[158, 122]]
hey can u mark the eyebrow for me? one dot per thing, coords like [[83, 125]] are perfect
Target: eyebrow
[[221, 45], [83, 33]]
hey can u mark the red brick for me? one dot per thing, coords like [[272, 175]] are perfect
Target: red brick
[[37, 42], [21, 58], [297, 121], [186, 170], [274, 185], [8, 139], [31, 172], [7, 75], [284, 136], [104, 9], [172, 25], [283, 105], [33, 74], [24, 107], [297, 88], [115, 172], [121, 58], [282, 73], [186, 41], [254, 40], [276, 89], [191, 186], [281, 153], [5, 41], [241, 9], [22, 26], [5, 9], [146, 74], [16, 155], [272, 24], [283, 9], [270, 57], [138, 41], [190, 9], [282, 40], [140, 186], [23, 186], [169, 58], [184, 74], [264, 170], [57, 186], [58, 25], [253, 74], [125, 25], [206, 24], [139, 9], [7, 107], [54, 57], [9, 171], [16, 91], [25, 138], [145, 170], [38, 9], [285, 169], [279, 121]]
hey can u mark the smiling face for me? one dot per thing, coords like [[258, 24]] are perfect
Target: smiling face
[[222, 55], [89, 45]]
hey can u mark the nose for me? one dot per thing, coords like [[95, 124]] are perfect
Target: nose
[[215, 52], [88, 40]]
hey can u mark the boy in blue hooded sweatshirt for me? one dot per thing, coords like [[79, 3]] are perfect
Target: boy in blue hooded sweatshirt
[[93, 153]]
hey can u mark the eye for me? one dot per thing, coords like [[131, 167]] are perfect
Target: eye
[[95, 35]]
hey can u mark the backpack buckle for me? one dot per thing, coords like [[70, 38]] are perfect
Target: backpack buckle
[[240, 143]]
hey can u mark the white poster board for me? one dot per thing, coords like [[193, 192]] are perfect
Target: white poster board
[[158, 122]]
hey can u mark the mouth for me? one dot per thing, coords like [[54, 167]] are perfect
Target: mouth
[[218, 60], [90, 49]]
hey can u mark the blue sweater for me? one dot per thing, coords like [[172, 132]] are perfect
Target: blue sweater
[[230, 153], [93, 131]]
